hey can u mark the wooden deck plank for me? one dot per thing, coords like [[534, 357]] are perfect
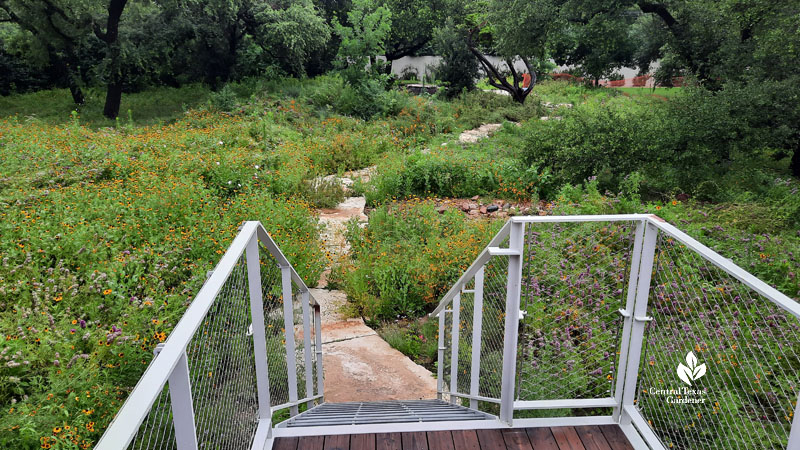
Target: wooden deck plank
[[286, 443], [311, 442], [567, 438], [416, 440], [491, 440], [466, 440], [542, 438], [440, 440], [337, 442], [592, 438], [615, 437], [362, 442], [388, 441], [517, 439]]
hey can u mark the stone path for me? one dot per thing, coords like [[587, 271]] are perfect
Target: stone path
[[358, 364], [473, 136]]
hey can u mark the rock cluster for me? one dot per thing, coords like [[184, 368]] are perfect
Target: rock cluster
[[550, 105], [475, 207]]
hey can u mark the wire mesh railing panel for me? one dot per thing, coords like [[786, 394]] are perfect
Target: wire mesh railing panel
[[574, 281], [493, 326], [465, 324], [222, 369], [720, 368], [447, 359], [299, 339], [274, 328], [314, 367], [156, 432]]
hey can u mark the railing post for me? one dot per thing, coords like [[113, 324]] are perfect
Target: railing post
[[639, 319], [454, 347], [794, 434], [516, 243], [318, 347], [627, 314], [477, 331], [288, 326], [259, 332], [306, 300], [440, 359], [180, 394]]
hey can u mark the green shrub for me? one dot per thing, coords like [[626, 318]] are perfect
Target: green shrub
[[454, 171], [459, 67], [608, 141], [408, 256], [416, 339], [323, 193], [224, 100]]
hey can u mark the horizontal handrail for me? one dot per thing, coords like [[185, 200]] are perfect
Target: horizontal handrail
[[729, 267], [583, 218]]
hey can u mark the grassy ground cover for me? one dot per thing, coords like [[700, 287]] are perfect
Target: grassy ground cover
[[109, 228], [659, 91]]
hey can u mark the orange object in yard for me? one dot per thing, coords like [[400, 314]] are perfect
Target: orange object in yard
[[526, 80]]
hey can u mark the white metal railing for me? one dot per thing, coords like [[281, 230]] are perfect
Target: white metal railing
[[600, 313], [248, 346]]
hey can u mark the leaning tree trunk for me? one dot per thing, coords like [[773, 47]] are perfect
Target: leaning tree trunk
[[497, 77], [63, 64]]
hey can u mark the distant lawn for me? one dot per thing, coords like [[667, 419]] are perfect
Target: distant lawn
[[151, 107], [662, 91]]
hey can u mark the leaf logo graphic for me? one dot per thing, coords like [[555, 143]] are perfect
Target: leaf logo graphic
[[691, 371]]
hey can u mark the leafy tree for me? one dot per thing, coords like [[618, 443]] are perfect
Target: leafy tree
[[66, 28], [597, 44], [114, 71], [413, 25], [244, 37], [321, 61], [23, 64], [58, 29], [458, 68], [363, 40], [513, 30], [291, 33]]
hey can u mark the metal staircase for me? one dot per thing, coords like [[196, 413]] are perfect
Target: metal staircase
[[571, 321]]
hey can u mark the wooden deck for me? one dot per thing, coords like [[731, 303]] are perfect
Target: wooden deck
[[603, 437]]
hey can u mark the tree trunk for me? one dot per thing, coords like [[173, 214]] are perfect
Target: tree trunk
[[794, 166], [77, 93], [72, 82], [111, 38], [113, 100]]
